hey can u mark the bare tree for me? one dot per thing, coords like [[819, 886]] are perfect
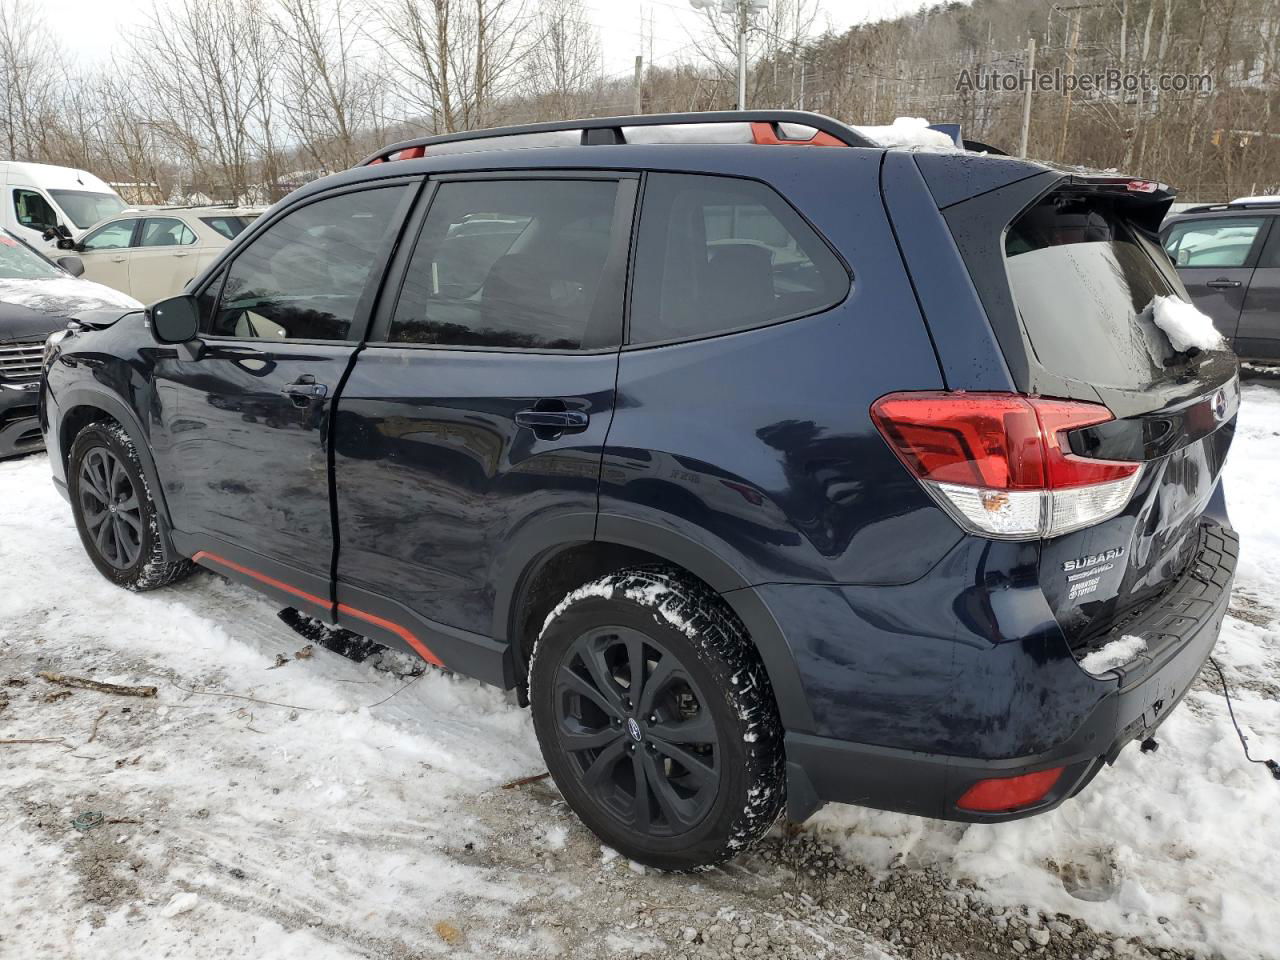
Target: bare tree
[[331, 96], [564, 61], [201, 62], [28, 66], [458, 56]]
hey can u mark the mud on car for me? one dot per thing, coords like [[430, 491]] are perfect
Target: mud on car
[[773, 471]]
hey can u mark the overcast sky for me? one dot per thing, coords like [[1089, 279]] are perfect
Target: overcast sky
[[91, 28]]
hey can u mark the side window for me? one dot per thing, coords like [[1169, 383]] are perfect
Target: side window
[[303, 277], [514, 263], [717, 254], [1212, 243], [165, 232], [110, 236], [33, 210]]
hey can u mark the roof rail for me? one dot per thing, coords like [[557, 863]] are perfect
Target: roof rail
[[766, 128], [1218, 207]]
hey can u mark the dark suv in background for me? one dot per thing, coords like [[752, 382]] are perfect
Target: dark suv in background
[[1228, 256], [776, 469]]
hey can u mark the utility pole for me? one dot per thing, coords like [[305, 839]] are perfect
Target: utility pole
[[1026, 97], [639, 105], [742, 54]]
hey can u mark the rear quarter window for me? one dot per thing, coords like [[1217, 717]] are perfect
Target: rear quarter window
[[718, 254]]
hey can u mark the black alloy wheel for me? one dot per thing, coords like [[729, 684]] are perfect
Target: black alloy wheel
[[633, 722], [656, 718], [111, 509]]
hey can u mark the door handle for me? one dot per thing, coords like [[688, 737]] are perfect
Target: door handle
[[305, 388], [184, 254], [1222, 283], [549, 419], [118, 259]]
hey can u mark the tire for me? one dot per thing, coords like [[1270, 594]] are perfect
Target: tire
[[114, 511], [701, 729]]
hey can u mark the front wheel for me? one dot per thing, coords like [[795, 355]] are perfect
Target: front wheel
[[657, 720], [114, 511]]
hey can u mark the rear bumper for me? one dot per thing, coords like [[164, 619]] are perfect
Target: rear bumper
[[19, 424], [1181, 631]]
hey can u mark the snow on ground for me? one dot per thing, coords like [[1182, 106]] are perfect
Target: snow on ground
[[336, 823]]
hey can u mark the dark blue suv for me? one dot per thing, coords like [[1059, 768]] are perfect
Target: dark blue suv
[[772, 467]]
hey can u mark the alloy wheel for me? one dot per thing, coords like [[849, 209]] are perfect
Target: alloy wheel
[[110, 507], [638, 731]]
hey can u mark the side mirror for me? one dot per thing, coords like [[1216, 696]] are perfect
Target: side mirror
[[66, 243], [73, 265], [176, 320]]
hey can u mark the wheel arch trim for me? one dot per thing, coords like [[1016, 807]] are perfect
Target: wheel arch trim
[[119, 411]]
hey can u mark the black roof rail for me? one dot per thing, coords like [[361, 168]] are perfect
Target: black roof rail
[[608, 130]]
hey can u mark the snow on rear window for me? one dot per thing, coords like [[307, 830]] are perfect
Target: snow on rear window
[[1085, 282]]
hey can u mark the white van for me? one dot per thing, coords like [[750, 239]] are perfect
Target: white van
[[38, 196]]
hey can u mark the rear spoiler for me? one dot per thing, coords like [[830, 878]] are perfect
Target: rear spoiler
[[1147, 202]]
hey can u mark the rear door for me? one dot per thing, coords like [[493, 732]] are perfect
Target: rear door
[[1258, 334], [164, 259], [472, 424], [1215, 258], [242, 439]]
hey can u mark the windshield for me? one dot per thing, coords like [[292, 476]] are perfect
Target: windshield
[[17, 262], [1084, 280], [84, 208]]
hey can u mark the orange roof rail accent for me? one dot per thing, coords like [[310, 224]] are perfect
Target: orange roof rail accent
[[765, 133]]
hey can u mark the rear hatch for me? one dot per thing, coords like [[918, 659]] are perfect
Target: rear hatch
[[1083, 266]]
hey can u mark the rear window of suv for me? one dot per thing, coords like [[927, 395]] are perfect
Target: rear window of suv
[[1083, 279]]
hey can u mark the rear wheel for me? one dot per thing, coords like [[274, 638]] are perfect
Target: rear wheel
[[114, 512], [657, 720]]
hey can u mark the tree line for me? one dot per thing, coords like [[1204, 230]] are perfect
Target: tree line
[[246, 99]]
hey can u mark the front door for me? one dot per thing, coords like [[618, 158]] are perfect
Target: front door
[[1215, 260], [1258, 335], [242, 444], [105, 254], [473, 422]]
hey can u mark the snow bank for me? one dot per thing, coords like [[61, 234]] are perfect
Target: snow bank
[[1114, 654], [1184, 325], [64, 295], [911, 132]]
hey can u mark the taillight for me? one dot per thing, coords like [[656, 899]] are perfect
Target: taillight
[[1000, 463], [1006, 794]]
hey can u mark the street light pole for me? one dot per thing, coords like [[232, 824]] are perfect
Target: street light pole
[[742, 55]]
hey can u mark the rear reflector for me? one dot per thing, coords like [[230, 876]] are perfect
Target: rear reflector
[[1000, 463], [1006, 794]]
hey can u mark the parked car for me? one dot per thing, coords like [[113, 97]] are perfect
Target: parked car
[[1228, 256], [152, 253], [44, 202], [880, 531], [37, 297]]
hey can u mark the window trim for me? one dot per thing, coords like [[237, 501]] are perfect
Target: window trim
[[43, 195], [133, 235], [370, 296], [1255, 248], [380, 327], [628, 346], [195, 239], [1270, 245]]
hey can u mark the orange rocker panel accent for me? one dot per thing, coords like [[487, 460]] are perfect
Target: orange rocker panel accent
[[421, 648]]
